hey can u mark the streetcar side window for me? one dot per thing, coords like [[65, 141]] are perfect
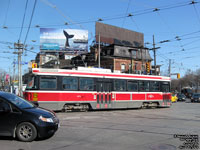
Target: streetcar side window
[[86, 84], [120, 85], [70, 83], [48, 82], [132, 86], [165, 87], [154, 86], [143, 86]]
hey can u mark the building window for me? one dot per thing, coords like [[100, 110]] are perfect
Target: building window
[[130, 68], [134, 53], [123, 67], [136, 64]]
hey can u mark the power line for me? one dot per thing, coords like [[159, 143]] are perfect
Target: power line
[[23, 20], [179, 37], [35, 2], [172, 31], [61, 13], [129, 2], [4, 25], [137, 13], [134, 23], [197, 14]]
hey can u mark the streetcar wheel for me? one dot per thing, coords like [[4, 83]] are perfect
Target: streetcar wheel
[[26, 132]]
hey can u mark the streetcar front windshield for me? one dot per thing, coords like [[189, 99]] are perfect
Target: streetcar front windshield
[[31, 83]]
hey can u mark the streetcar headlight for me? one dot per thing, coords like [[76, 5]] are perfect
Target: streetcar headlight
[[46, 119]]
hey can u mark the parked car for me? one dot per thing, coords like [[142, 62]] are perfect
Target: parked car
[[181, 97], [22, 119], [195, 97]]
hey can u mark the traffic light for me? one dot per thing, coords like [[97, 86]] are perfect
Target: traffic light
[[34, 65], [148, 67], [178, 75]]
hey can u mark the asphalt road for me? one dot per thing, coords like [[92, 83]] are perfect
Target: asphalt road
[[135, 129]]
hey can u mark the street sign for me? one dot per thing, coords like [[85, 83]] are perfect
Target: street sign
[[22, 63]]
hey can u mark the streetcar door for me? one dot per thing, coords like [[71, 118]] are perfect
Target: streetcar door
[[107, 87], [103, 94]]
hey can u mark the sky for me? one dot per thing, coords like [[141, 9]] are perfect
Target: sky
[[176, 22]]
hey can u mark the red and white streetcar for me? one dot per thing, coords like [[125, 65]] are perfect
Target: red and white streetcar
[[93, 88]]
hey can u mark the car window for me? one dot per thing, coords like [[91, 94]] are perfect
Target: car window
[[18, 101], [3, 105]]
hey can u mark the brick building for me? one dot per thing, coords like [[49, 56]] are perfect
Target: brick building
[[117, 58]]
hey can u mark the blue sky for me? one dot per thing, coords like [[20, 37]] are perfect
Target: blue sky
[[173, 20]]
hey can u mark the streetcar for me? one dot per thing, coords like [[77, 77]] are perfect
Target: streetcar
[[93, 88]]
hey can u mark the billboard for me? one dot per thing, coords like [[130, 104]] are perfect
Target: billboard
[[63, 39], [119, 36]]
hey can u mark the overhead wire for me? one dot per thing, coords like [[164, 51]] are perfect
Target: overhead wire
[[35, 2], [63, 15], [129, 2], [23, 20], [27, 33], [139, 13], [136, 13], [138, 28], [196, 12], [6, 14]]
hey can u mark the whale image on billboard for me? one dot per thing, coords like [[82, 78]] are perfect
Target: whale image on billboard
[[63, 39]]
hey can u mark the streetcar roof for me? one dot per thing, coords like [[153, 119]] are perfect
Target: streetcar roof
[[96, 73]]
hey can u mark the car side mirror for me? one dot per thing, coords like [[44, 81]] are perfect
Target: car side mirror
[[35, 103]]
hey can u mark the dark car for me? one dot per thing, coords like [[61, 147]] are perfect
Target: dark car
[[195, 97], [181, 97], [22, 119]]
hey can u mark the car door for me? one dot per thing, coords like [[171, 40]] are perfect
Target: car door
[[9, 117]]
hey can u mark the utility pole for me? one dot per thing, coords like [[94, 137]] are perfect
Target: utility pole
[[13, 79], [169, 70], [154, 53], [19, 46], [99, 61], [14, 71]]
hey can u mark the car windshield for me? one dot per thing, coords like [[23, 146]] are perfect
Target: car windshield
[[181, 95], [18, 101], [196, 95]]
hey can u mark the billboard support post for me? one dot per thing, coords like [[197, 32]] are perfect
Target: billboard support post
[[154, 54], [99, 61]]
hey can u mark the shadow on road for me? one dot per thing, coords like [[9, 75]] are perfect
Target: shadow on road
[[8, 138]]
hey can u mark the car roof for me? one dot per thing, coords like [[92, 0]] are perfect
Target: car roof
[[196, 93], [5, 94]]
